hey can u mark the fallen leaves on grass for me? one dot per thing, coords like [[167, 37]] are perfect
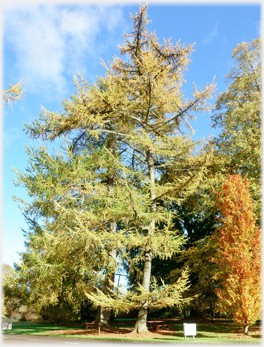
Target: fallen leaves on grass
[[254, 332], [114, 332]]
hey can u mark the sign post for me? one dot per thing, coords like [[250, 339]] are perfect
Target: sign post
[[189, 329]]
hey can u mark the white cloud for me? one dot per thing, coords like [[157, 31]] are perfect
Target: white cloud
[[209, 38], [50, 42]]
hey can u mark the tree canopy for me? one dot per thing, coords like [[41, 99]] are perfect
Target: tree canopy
[[238, 115]]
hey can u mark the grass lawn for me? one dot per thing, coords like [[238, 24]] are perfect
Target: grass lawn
[[220, 331]]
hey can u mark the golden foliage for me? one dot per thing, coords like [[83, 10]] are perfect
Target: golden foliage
[[239, 253]]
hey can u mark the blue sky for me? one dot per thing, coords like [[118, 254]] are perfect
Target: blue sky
[[45, 45]]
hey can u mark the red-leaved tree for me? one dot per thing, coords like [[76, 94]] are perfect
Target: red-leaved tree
[[239, 253]]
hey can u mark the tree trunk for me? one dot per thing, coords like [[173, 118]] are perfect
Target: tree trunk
[[246, 330], [103, 314], [141, 322]]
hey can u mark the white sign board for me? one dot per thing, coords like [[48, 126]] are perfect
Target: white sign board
[[189, 329], [7, 324]]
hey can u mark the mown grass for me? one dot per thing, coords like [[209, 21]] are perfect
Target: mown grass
[[207, 333]]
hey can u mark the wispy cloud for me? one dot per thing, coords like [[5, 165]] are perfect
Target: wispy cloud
[[50, 42], [209, 38], [10, 136]]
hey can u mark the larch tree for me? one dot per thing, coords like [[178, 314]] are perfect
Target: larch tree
[[238, 255], [238, 115], [140, 108]]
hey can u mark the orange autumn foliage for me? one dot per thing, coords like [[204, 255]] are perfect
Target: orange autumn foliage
[[239, 253]]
